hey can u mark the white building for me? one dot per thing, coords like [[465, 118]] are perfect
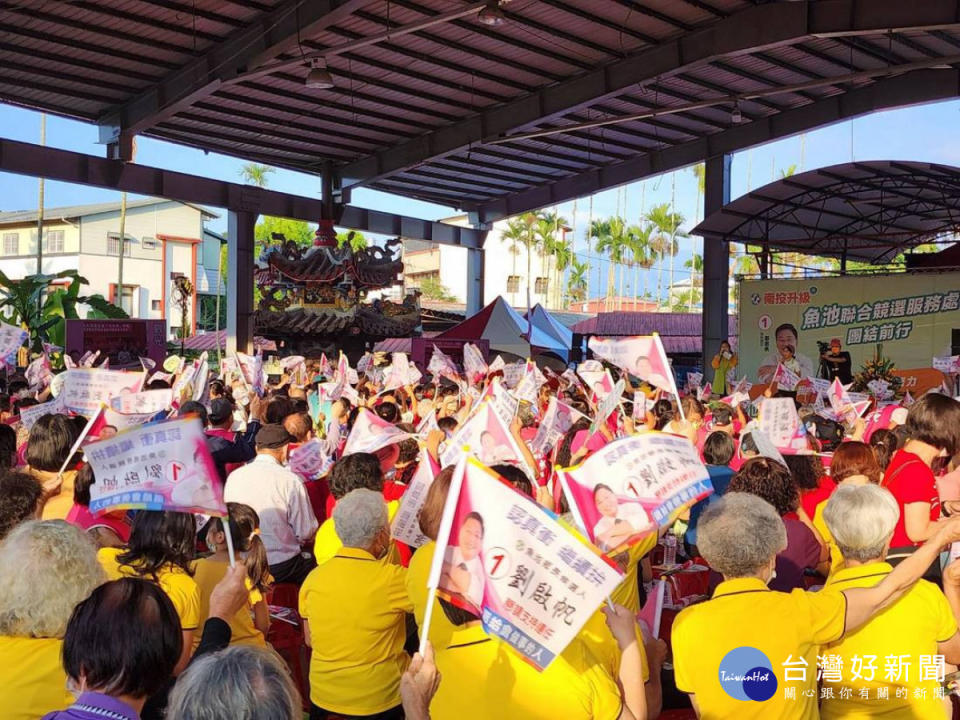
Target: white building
[[163, 239], [505, 272]]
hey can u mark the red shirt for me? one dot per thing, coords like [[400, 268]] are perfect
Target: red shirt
[[910, 481], [809, 499]]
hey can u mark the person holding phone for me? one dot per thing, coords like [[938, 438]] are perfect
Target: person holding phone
[[723, 362]]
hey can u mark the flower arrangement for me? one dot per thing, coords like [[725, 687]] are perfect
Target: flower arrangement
[[878, 368]]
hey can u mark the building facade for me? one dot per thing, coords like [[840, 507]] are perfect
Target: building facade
[[163, 239], [504, 270]]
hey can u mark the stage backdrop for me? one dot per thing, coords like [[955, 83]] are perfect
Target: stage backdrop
[[123, 341], [912, 315]]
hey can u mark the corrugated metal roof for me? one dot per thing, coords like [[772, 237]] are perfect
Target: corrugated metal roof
[[640, 323], [74, 211], [87, 59]]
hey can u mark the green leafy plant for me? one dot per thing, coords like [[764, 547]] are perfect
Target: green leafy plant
[[42, 306]]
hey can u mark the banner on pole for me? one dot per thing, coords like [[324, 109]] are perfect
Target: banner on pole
[[370, 433], [406, 523], [86, 389]]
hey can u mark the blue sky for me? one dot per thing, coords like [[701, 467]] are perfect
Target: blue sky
[[925, 133]]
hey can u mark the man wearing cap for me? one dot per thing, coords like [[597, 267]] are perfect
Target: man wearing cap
[[277, 494], [228, 449], [838, 363]]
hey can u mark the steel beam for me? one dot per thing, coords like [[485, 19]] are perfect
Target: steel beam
[[757, 28], [240, 266], [27, 159], [475, 281], [716, 260], [268, 37], [909, 89]]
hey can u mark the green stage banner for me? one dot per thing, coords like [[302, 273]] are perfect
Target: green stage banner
[[914, 316]]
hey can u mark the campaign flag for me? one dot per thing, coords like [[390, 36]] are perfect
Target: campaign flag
[[147, 364], [39, 373], [497, 365], [526, 389], [11, 339], [571, 377], [310, 460], [89, 358], [642, 356], [68, 362], [251, 370], [326, 370], [148, 401], [949, 364], [907, 399], [513, 373], [780, 422], [821, 385], [639, 406], [880, 389], [837, 395], [705, 392], [631, 486], [441, 365], [557, 421], [474, 366], [785, 378], [125, 421], [608, 403], [601, 388], [504, 404], [693, 380], [164, 466], [201, 377], [846, 406], [485, 436], [743, 386], [764, 444], [50, 348], [507, 560], [736, 399], [228, 366], [406, 523], [86, 389], [428, 424], [30, 415], [165, 377], [371, 433]]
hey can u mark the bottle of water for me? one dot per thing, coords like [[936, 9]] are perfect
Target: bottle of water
[[670, 549]]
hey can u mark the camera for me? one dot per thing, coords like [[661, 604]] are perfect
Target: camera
[[824, 347]]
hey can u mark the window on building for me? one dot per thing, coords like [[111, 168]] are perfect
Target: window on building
[[541, 285], [11, 243], [513, 283], [113, 245], [148, 243], [156, 305], [127, 300], [53, 241]]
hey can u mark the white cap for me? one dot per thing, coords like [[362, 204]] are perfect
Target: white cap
[[899, 416]]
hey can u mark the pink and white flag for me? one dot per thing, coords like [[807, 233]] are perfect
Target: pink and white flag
[[785, 378], [526, 389], [86, 390], [474, 366], [497, 365], [310, 460], [370, 433], [325, 369], [485, 436], [642, 356], [705, 392], [251, 368], [505, 559], [162, 466], [149, 402], [147, 364], [39, 373], [780, 422], [557, 420], [406, 523], [632, 486], [441, 365]]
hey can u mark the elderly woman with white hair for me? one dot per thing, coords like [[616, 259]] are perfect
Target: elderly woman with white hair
[[354, 609], [46, 568], [913, 630], [751, 652]]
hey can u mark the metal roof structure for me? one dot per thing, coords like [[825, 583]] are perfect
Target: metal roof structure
[[75, 211], [564, 98], [680, 333], [868, 211]]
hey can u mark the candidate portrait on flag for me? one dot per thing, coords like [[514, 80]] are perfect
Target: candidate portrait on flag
[[462, 574]]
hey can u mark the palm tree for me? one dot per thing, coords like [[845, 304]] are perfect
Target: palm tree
[[641, 255], [599, 231], [664, 240], [514, 234], [548, 237], [254, 174], [695, 264], [700, 171], [530, 241], [577, 280], [563, 256], [615, 242]]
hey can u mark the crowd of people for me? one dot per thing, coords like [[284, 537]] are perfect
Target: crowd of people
[[817, 559]]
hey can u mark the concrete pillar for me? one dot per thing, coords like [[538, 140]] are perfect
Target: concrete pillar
[[240, 281], [716, 260], [474, 280]]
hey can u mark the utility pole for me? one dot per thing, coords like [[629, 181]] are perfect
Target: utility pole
[[43, 141], [123, 243]]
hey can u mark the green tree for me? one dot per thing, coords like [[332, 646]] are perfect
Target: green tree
[[695, 265], [254, 174], [529, 241], [513, 235], [577, 281], [354, 239], [684, 301], [432, 289], [663, 240], [550, 241], [641, 254], [300, 231]]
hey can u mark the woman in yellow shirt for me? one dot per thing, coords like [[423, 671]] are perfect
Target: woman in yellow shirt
[[853, 464], [249, 626], [46, 568], [161, 549]]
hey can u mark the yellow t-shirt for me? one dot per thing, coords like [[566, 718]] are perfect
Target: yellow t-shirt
[[327, 543], [356, 609], [207, 573], [32, 679], [627, 593], [57, 507], [601, 644], [483, 679], [744, 613], [179, 587], [908, 630], [836, 557], [418, 573]]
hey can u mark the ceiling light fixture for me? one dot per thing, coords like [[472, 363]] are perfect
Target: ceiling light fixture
[[491, 15], [319, 78], [736, 117]]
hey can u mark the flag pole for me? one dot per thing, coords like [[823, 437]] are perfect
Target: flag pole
[[229, 536]]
